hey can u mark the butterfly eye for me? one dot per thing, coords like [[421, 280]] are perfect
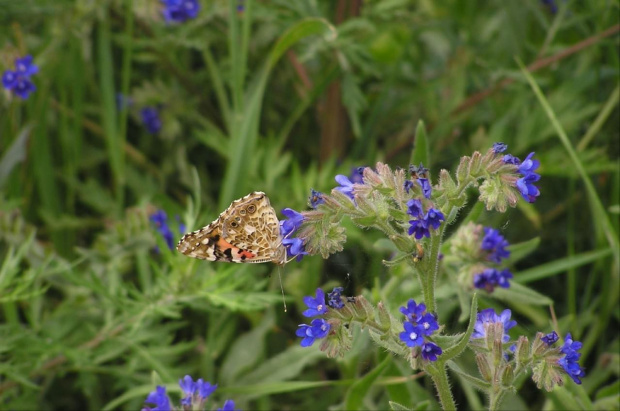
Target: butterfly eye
[[251, 208], [234, 224]]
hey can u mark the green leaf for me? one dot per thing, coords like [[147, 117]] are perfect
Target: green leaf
[[421, 151], [357, 392], [561, 265], [518, 293], [458, 348]]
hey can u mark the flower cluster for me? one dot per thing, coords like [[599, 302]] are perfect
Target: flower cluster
[[294, 246], [150, 119], [570, 360], [195, 395], [18, 81], [491, 278], [527, 169], [421, 223], [160, 220], [319, 327], [418, 325], [178, 11], [495, 244]]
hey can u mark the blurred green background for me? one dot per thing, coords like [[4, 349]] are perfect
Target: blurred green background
[[280, 96]]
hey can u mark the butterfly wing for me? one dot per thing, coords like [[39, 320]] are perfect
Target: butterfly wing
[[246, 232]]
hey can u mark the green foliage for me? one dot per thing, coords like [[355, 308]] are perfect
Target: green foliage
[[281, 97]]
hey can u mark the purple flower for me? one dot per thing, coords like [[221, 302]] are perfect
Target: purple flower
[[178, 11], [291, 223], [9, 79], [570, 361], [187, 385], [430, 351], [412, 310], [25, 67], [426, 187], [528, 165], [434, 218], [494, 242], [419, 229], [357, 175], [160, 220], [204, 389], [499, 148], [229, 405], [491, 278], [414, 208], [408, 185], [23, 87], [18, 81], [527, 188], [316, 306], [318, 328], [418, 171], [412, 336], [160, 399], [334, 299], [150, 119], [316, 198], [427, 323], [487, 317], [550, 338], [510, 159], [346, 186], [294, 246]]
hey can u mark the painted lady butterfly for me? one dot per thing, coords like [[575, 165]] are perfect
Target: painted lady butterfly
[[248, 231]]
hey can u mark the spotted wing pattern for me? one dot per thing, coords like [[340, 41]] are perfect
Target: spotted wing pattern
[[246, 232]]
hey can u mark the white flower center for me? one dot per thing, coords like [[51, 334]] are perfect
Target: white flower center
[[413, 336]]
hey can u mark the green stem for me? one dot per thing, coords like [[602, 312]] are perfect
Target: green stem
[[439, 376], [496, 399]]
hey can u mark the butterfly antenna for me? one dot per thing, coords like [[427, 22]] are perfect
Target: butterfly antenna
[[281, 287]]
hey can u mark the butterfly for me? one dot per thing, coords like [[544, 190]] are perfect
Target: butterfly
[[248, 231]]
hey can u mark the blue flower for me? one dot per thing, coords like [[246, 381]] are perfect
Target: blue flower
[[413, 335], [229, 405], [434, 218], [294, 248], [204, 389], [150, 119], [427, 323], [25, 67], [494, 242], [528, 165], [334, 299], [418, 171], [346, 186], [570, 361], [188, 387], [510, 159], [487, 317], [160, 399], [412, 310], [318, 328], [357, 175], [550, 338], [527, 188], [419, 229], [499, 148], [316, 306], [291, 223], [18, 81], [414, 208], [316, 198], [408, 185], [178, 11], [160, 219], [491, 278], [430, 351], [426, 187]]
